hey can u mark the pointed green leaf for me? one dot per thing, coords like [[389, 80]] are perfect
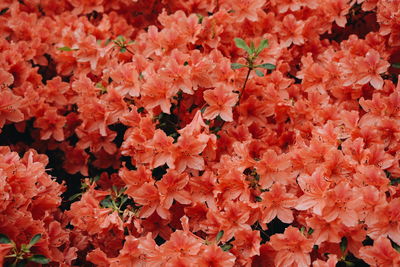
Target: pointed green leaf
[[4, 239], [267, 66], [106, 203], [252, 47], [200, 18], [240, 43], [219, 236], [226, 247], [24, 248], [74, 196], [121, 38], [259, 73], [65, 48], [396, 65], [39, 259], [34, 240], [236, 66], [310, 231], [263, 44]]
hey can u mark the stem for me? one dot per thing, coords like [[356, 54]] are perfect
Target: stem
[[244, 85], [240, 94], [127, 49]]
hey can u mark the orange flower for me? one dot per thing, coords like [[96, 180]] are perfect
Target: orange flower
[[381, 253], [149, 197], [331, 262], [338, 205], [292, 248], [220, 101], [9, 107], [171, 187], [277, 203], [187, 151], [181, 247], [314, 188], [244, 9], [372, 66], [214, 256]]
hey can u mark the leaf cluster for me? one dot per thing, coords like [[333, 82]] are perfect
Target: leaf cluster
[[252, 53], [23, 255]]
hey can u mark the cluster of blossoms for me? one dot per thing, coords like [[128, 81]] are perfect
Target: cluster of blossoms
[[200, 132]]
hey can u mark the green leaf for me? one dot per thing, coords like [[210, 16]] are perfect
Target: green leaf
[[122, 50], [106, 203], [4, 239], [396, 65], [219, 236], [236, 66], [259, 73], [200, 18], [96, 178], [34, 240], [24, 248], [252, 47], [263, 44], [74, 196], [240, 43], [395, 181], [267, 66], [343, 244], [39, 259], [349, 263], [100, 86], [140, 110], [124, 198], [3, 11], [120, 38], [66, 48], [302, 229], [396, 247], [226, 247], [310, 231]]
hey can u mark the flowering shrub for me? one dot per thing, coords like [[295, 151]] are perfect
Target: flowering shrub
[[200, 133]]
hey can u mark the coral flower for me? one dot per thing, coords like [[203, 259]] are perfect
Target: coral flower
[[244, 9], [292, 248], [314, 188], [148, 196], [220, 101], [214, 256], [9, 108], [188, 150], [171, 187], [372, 67], [381, 253], [277, 203]]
